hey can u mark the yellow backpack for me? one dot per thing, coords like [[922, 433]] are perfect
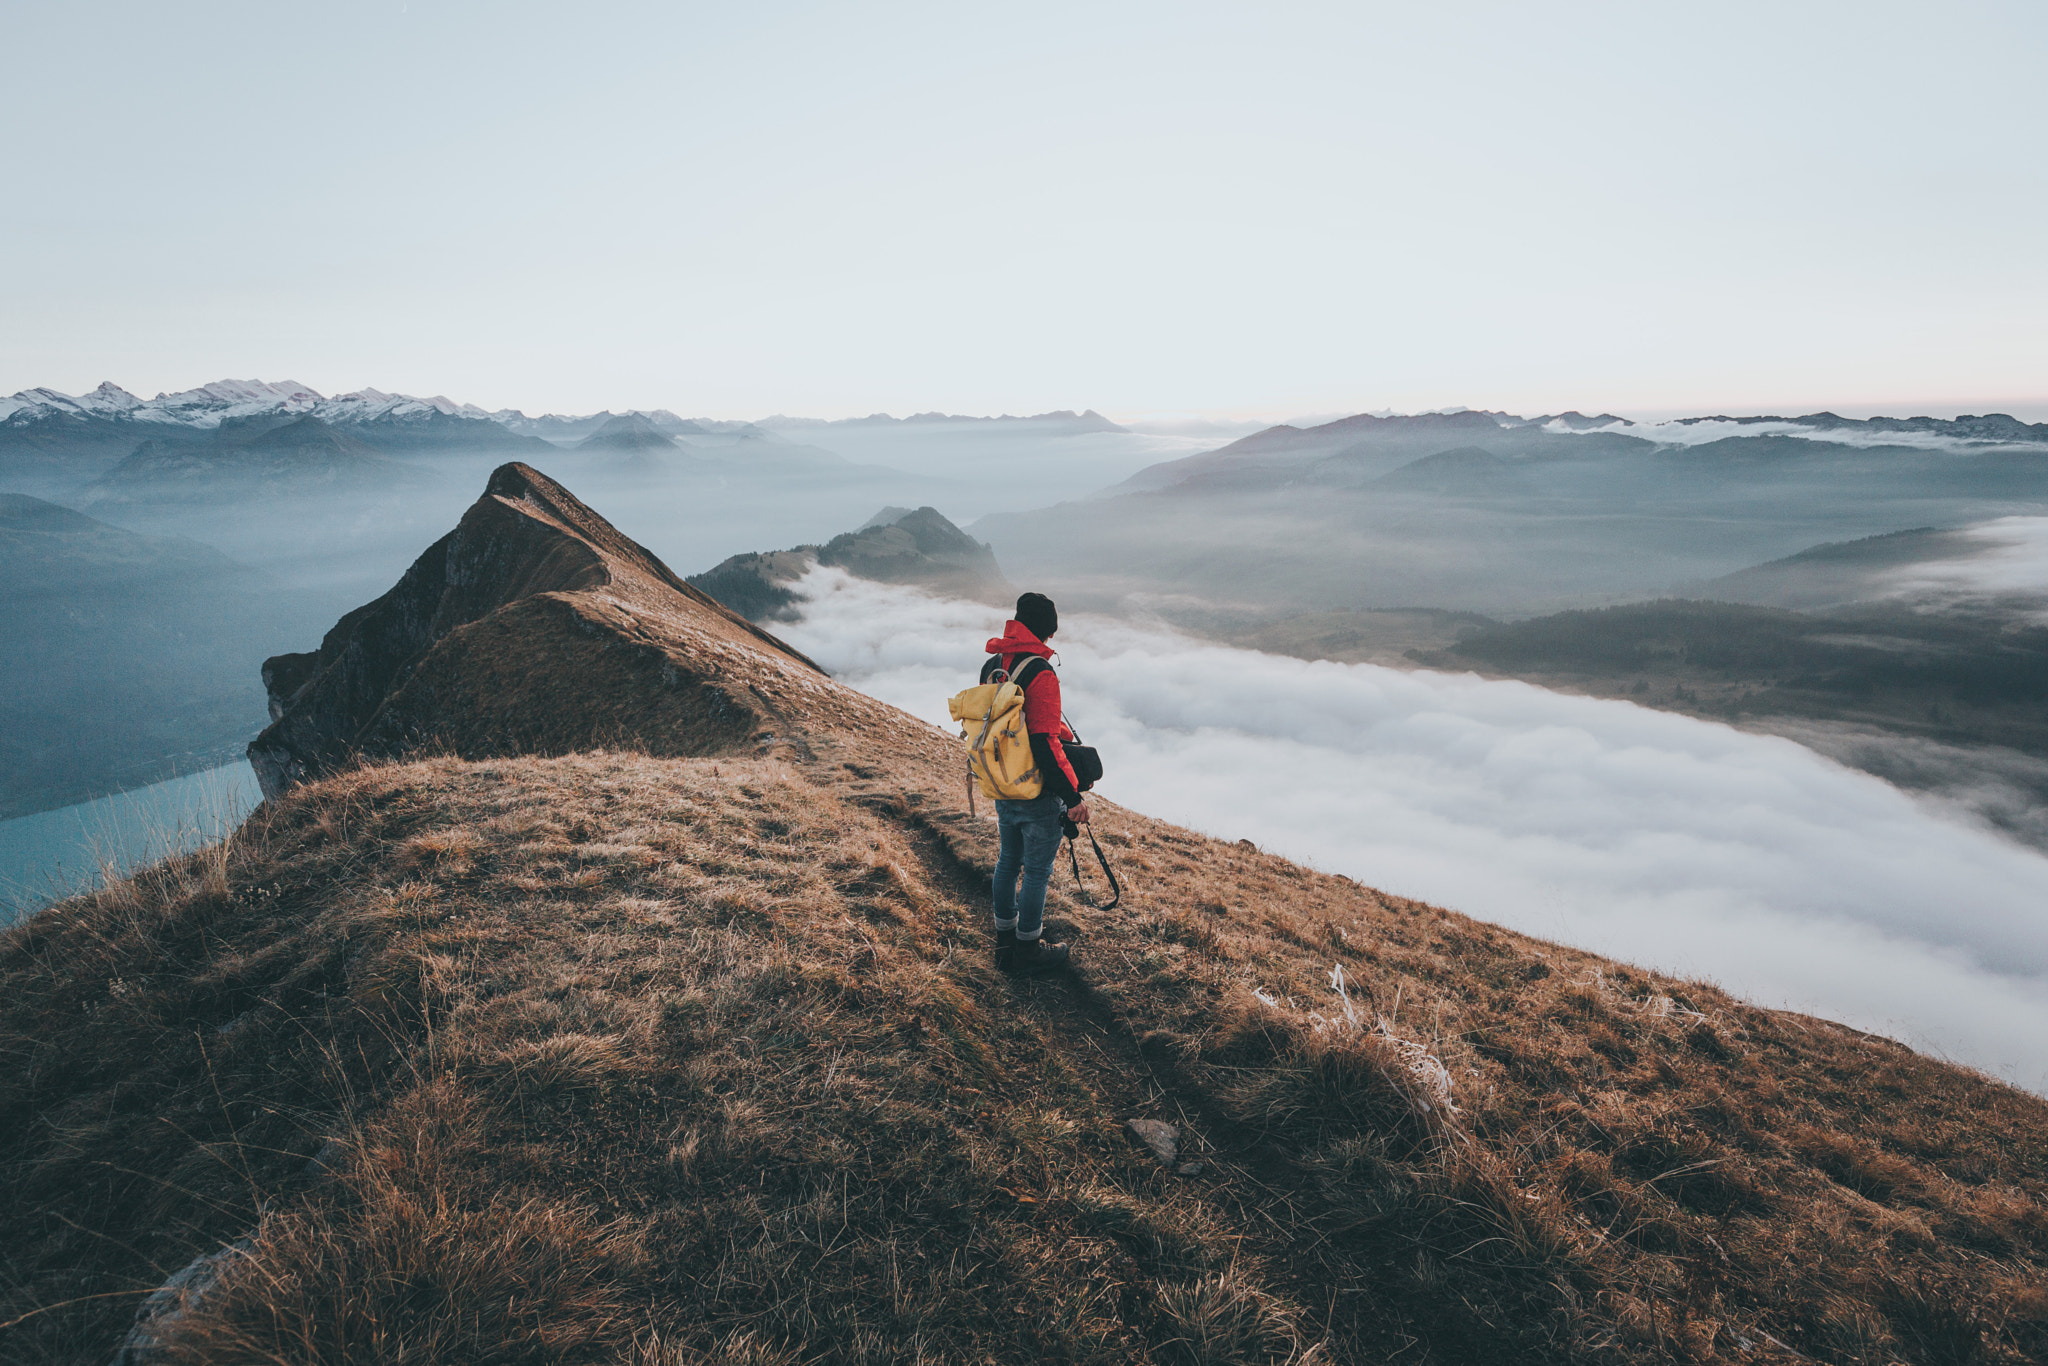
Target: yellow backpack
[[991, 720]]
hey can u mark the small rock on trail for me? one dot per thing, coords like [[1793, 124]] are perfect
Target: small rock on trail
[[1162, 1138]]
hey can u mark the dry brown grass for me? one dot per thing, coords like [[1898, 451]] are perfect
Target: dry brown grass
[[1637, 1167], [664, 1061]]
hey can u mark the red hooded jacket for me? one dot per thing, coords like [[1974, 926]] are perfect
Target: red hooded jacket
[[1042, 714]]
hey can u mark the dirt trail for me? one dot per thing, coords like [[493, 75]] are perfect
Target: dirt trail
[[1244, 1171]]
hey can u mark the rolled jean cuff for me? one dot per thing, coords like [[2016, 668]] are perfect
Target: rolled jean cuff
[[1009, 924]]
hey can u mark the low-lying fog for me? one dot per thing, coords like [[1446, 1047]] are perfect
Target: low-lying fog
[[1657, 838], [2011, 570]]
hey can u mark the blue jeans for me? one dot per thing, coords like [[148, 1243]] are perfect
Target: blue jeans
[[1031, 836]]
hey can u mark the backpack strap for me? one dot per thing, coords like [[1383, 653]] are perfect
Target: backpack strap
[[1020, 676], [1023, 675]]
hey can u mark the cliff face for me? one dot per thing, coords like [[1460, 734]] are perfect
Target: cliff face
[[533, 626]]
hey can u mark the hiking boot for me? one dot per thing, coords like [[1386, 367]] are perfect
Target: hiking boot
[[1006, 949], [1033, 956]]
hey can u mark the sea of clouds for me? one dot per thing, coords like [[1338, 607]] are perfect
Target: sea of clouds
[[1670, 842]]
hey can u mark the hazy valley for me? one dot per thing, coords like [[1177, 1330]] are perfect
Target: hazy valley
[[1463, 540]]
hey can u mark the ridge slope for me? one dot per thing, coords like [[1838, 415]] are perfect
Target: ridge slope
[[681, 1050]]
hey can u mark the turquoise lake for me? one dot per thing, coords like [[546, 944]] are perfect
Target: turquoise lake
[[54, 854]]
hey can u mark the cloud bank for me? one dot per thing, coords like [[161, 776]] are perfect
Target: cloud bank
[[1667, 841], [2011, 568]]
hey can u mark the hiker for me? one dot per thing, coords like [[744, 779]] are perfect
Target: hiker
[[1031, 829]]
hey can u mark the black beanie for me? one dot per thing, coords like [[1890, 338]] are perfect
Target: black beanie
[[1037, 614]]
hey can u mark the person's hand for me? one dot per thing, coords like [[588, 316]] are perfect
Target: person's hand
[[1078, 813]]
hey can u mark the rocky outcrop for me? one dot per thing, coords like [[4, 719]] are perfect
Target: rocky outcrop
[[170, 1302], [895, 545], [757, 585], [533, 627], [919, 547]]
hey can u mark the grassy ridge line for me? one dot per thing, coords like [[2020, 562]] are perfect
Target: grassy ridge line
[[610, 1058]]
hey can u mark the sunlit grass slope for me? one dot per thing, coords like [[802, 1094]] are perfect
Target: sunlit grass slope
[[611, 1058]]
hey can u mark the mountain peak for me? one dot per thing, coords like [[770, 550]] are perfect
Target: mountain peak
[[530, 572], [235, 391], [112, 397]]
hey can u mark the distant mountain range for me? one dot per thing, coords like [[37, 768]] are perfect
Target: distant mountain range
[[1368, 446], [271, 454], [1502, 515], [96, 443], [1989, 428], [1353, 450], [394, 421], [83, 446], [567, 431], [56, 440]]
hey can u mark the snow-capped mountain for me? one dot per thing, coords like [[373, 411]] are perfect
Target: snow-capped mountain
[[211, 404], [50, 441]]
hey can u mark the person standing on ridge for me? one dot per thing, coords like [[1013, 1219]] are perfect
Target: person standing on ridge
[[1031, 829]]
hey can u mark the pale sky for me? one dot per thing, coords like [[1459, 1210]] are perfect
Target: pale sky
[[1190, 208]]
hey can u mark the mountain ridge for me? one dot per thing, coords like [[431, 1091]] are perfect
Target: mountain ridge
[[526, 558], [273, 454], [673, 1038], [54, 439]]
